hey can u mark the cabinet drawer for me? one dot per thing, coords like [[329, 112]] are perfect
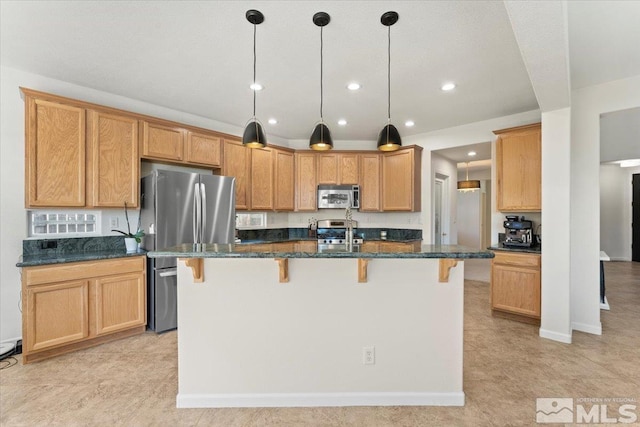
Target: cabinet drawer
[[523, 260], [82, 270]]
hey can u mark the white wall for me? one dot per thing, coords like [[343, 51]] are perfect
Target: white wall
[[469, 218], [587, 106], [555, 276], [620, 135], [615, 211]]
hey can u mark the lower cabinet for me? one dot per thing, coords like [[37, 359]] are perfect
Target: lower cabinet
[[77, 305], [515, 286]]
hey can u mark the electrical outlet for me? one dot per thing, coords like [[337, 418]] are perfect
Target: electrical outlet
[[113, 222], [368, 355]]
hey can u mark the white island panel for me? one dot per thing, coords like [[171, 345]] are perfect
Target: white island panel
[[245, 339]]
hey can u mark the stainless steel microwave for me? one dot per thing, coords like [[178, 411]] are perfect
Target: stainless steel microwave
[[338, 196]]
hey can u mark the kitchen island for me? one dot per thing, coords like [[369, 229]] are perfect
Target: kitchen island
[[284, 324]]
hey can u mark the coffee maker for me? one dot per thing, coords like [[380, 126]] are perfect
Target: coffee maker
[[517, 232]]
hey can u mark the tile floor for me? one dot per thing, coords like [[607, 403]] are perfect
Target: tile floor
[[133, 382]]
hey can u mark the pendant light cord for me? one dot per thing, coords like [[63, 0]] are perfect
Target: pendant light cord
[[254, 71], [321, 75], [389, 74]]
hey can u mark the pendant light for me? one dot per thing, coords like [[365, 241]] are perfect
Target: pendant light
[[468, 185], [389, 138], [321, 136], [253, 136]]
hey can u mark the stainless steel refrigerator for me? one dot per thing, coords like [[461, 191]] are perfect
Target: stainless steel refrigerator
[[178, 207]]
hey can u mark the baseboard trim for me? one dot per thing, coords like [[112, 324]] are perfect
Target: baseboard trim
[[270, 400], [555, 336], [590, 329]]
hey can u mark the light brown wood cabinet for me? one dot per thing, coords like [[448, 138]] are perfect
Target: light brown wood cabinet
[[162, 142], [237, 161], [338, 168], [284, 187], [203, 149], [78, 157], [262, 176], [77, 305], [370, 182], [55, 153], [518, 169], [515, 285], [113, 165], [306, 183], [401, 179]]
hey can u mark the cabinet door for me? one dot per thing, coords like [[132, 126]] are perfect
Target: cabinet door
[[55, 154], [515, 289], [262, 179], [204, 149], [119, 303], [237, 159], [113, 165], [370, 173], [401, 180], [162, 142], [348, 172], [56, 314], [327, 168], [284, 180], [518, 169], [306, 184]]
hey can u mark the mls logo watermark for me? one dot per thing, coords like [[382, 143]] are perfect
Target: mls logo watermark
[[554, 410], [586, 410]]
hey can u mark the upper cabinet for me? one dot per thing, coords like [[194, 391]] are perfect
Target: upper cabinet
[[338, 168], [113, 165], [284, 188], [306, 183], [162, 142], [370, 182], [261, 183], [55, 153], [237, 164], [401, 172], [203, 149], [78, 157], [518, 169]]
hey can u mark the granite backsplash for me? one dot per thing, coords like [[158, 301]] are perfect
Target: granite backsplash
[[52, 247]]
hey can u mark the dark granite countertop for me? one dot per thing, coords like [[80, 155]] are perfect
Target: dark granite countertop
[[60, 251], [534, 250], [35, 260], [306, 249]]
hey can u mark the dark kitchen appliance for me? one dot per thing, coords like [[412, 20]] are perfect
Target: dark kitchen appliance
[[518, 232]]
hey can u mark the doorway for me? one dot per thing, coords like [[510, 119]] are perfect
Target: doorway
[[635, 218], [440, 210]]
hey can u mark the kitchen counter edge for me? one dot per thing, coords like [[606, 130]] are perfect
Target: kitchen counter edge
[[37, 260]]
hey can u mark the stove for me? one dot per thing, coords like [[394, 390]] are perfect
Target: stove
[[333, 232]]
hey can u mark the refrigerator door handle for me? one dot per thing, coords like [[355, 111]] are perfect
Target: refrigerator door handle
[[203, 215], [196, 214], [169, 273]]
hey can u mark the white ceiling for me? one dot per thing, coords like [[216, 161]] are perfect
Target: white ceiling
[[196, 57]]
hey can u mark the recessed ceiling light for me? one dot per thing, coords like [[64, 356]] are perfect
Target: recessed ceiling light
[[353, 86], [409, 123], [273, 121], [471, 153], [448, 86], [255, 86], [342, 122]]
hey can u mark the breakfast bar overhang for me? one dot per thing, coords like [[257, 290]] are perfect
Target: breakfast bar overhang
[[283, 325]]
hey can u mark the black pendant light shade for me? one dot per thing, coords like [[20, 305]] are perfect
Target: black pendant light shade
[[321, 137], [253, 136], [389, 138]]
